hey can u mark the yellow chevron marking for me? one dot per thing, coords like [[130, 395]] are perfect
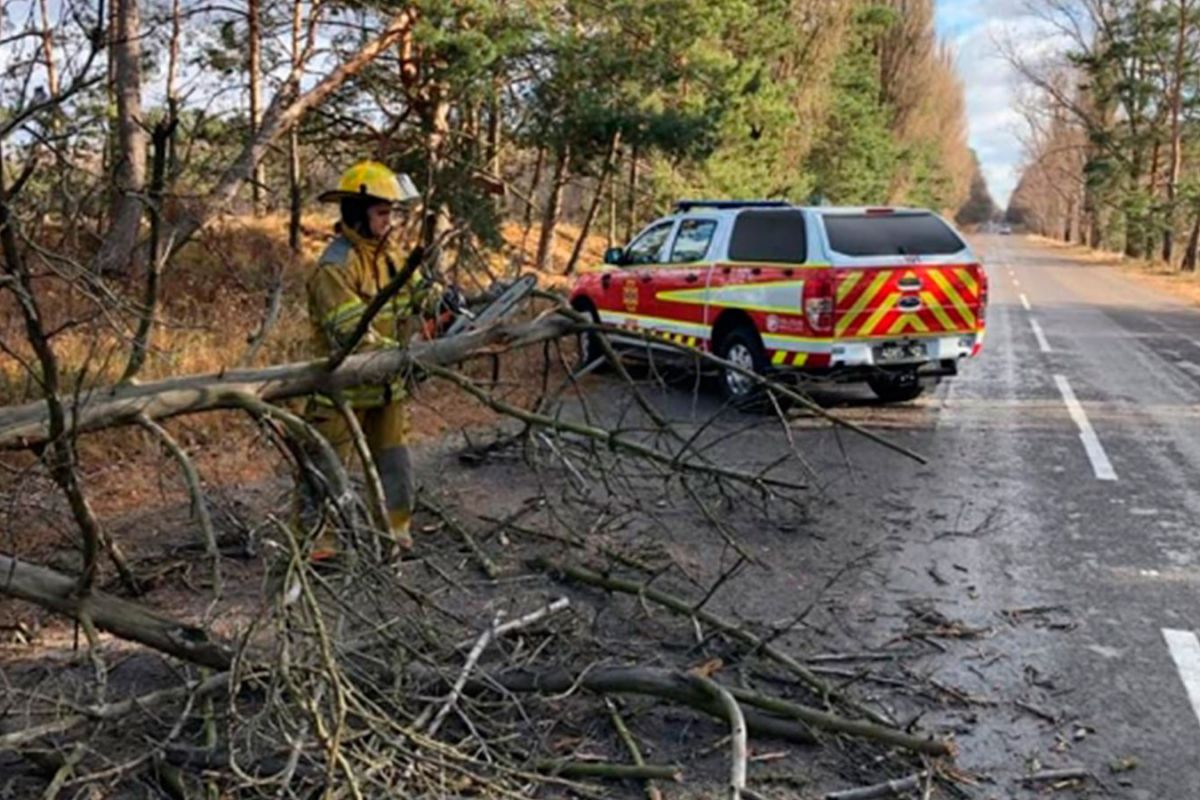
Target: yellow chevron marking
[[800, 360], [935, 307], [884, 307], [847, 284], [779, 357], [861, 303], [906, 320], [968, 280], [733, 296], [950, 292]]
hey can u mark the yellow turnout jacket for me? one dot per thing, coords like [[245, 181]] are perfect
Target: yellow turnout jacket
[[351, 271]]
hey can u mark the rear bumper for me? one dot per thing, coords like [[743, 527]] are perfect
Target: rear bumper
[[938, 350]]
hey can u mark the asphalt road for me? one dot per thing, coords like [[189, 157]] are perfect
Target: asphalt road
[[1056, 524], [1064, 477]]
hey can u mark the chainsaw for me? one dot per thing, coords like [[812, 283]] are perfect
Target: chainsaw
[[504, 301]]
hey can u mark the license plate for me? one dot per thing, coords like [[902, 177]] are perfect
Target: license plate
[[892, 352]]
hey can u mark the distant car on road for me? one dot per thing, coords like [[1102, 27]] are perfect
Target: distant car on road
[[1005, 229], [885, 296]]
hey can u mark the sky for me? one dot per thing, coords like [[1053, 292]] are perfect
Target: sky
[[974, 28]]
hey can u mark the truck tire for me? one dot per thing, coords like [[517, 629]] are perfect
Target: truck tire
[[588, 344], [898, 386], [743, 347]]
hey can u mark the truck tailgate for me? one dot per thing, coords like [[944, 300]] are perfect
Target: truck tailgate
[[909, 300]]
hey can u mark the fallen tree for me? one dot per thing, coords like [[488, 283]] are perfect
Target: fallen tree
[[348, 713], [27, 426]]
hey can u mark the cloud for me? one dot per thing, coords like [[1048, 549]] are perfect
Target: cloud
[[975, 29]]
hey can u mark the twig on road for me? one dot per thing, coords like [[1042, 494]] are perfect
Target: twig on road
[[635, 752], [895, 788], [1056, 775]]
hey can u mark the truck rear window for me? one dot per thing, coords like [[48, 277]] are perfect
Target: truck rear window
[[770, 235], [890, 235]]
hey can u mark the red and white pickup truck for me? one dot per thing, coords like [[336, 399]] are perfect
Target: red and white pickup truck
[[880, 295]]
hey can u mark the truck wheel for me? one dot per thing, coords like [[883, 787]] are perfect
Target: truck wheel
[[896, 387], [588, 345], [743, 347]]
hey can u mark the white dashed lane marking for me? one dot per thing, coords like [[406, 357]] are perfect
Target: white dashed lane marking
[[1101, 466], [1040, 335], [1185, 650], [1025, 302]]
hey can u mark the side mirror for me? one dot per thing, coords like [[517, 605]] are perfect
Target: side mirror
[[614, 256]]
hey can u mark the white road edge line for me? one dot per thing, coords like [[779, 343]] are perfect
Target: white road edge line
[[1040, 335], [1185, 650], [1025, 302], [1091, 443]]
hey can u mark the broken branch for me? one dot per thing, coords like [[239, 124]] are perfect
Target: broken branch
[[121, 618]]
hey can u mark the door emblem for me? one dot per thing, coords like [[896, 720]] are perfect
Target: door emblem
[[629, 294]]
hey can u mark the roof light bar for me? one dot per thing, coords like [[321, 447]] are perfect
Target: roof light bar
[[684, 206]]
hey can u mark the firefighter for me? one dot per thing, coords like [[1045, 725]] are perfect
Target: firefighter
[[375, 242]]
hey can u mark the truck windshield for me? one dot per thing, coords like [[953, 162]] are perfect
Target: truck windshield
[[890, 235]]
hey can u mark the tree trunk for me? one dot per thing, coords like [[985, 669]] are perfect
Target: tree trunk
[[1177, 78], [56, 125], [161, 136], [295, 201], [605, 173], [495, 129], [612, 210], [550, 213], [631, 205], [1189, 256], [437, 127], [173, 94], [48, 52], [527, 220], [254, 70], [117, 250]]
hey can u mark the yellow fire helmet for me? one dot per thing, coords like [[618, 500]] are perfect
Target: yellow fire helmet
[[372, 180]]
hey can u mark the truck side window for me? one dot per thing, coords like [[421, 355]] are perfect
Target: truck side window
[[691, 243], [769, 235], [646, 248]]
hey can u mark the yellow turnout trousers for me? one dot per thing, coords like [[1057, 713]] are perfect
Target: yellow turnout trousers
[[386, 430]]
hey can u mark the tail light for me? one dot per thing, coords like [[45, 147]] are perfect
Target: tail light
[[981, 309], [981, 312], [818, 301]]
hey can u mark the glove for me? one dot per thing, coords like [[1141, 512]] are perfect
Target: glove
[[453, 300], [415, 257]]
